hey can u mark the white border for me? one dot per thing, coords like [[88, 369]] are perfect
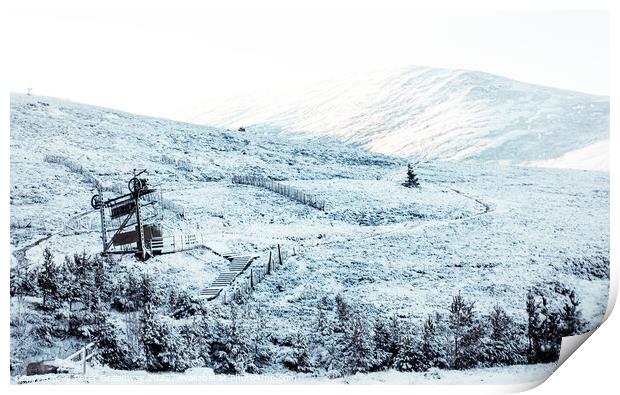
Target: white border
[[593, 367]]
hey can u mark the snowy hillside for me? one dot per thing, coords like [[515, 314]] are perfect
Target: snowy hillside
[[435, 113], [491, 233]]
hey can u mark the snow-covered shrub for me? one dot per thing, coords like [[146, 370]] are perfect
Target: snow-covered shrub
[[182, 304], [592, 267]]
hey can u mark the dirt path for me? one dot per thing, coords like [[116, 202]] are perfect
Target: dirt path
[[20, 254], [487, 209]]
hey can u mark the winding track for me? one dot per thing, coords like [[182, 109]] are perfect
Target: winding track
[[377, 231], [487, 209]]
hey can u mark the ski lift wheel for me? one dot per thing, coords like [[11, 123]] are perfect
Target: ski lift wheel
[[96, 201], [135, 184]]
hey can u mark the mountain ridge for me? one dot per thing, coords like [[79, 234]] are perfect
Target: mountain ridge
[[436, 113]]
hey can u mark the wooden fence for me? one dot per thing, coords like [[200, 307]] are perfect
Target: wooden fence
[[243, 286], [285, 190], [85, 354], [79, 169]]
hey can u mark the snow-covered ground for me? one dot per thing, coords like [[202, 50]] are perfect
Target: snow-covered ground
[[436, 113], [499, 376], [486, 230]]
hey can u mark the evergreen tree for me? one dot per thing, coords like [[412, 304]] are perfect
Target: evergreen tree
[[432, 349], [534, 327], [204, 332], [571, 316], [257, 336], [387, 342], [382, 346], [412, 179], [322, 324], [358, 349], [230, 353], [544, 331], [408, 358], [552, 338], [299, 359], [155, 333], [112, 350], [48, 280], [342, 309], [21, 281], [502, 347], [466, 333]]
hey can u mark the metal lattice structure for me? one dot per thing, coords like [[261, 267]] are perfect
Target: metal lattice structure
[[131, 223]]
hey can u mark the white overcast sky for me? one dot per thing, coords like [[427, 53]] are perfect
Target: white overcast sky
[[156, 58]]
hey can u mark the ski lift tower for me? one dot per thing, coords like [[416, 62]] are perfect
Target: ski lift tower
[[130, 223]]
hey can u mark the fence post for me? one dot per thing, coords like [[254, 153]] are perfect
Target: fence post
[[269, 263], [84, 361], [279, 254]]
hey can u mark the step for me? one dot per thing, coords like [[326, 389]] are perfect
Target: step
[[225, 278]]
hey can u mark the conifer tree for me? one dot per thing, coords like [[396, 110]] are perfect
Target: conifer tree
[[21, 281], [412, 179], [322, 325], [466, 333], [342, 309], [230, 353], [544, 331], [382, 345], [358, 351], [299, 359], [534, 327], [502, 347], [432, 349], [48, 280], [408, 358], [154, 331], [571, 316]]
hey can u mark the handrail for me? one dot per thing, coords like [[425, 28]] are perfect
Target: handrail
[[79, 352]]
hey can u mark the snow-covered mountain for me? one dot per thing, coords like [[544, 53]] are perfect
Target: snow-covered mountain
[[435, 113], [492, 233]]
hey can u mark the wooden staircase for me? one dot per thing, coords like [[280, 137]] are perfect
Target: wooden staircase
[[238, 263]]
